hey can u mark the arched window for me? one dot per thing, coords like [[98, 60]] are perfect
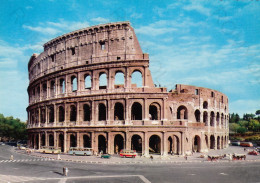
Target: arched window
[[102, 114], [119, 111], [205, 118], [51, 140], [87, 112], [73, 113], [44, 90], [217, 118], [51, 114], [154, 111], [52, 88], [197, 115], [86, 141], [74, 84], [87, 82], [61, 114], [119, 79], [222, 119], [154, 144], [182, 112], [205, 105], [62, 86], [43, 116], [102, 81], [136, 143], [212, 118], [136, 111], [137, 79], [73, 141]]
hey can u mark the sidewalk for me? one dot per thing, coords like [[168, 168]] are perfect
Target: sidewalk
[[115, 159]]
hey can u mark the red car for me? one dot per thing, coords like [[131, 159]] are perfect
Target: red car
[[128, 153], [253, 152]]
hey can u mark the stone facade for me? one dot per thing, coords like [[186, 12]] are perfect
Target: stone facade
[[71, 106]]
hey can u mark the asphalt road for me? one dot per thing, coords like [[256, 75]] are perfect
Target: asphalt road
[[35, 170]]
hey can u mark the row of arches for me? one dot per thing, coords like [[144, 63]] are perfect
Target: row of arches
[[102, 110], [73, 84]]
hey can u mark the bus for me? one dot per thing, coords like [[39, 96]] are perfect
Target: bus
[[246, 144], [50, 150], [81, 151], [128, 153]]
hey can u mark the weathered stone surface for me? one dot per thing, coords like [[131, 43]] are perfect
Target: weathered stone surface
[[70, 107]]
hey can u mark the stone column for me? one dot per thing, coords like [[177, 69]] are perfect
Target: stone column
[[93, 142], [65, 141], [127, 110], [145, 76], [109, 109], [164, 144], [109, 137], [127, 140], [78, 116], [55, 139], [39, 142], [145, 111], [146, 144], [46, 139], [182, 143]]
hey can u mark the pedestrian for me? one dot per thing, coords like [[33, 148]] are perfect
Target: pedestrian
[[65, 171], [171, 152], [186, 157]]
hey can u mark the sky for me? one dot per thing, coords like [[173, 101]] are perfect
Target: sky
[[212, 44]]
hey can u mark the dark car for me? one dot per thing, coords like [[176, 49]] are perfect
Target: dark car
[[107, 156]]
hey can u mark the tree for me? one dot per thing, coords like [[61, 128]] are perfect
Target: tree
[[257, 112], [241, 130], [234, 127]]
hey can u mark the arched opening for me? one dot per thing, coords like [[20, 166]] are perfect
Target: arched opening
[[136, 79], [119, 80], [44, 90], [61, 142], [87, 82], [62, 86], [102, 114], [218, 142], [43, 140], [222, 142], [32, 138], [136, 143], [119, 111], [118, 143], [205, 118], [196, 144], [197, 115], [102, 145], [52, 88], [222, 119], [212, 142], [61, 114], [212, 118], [51, 140], [43, 116], [73, 113], [154, 112], [51, 114], [87, 112], [155, 144], [86, 141], [205, 105], [136, 111], [74, 84], [217, 118], [73, 140], [170, 144], [182, 112], [102, 81], [37, 141], [207, 141]]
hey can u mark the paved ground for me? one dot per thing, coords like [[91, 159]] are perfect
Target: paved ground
[[33, 169], [115, 159]]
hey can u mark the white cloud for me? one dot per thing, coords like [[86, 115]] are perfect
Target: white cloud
[[136, 15], [43, 30], [198, 7], [100, 20]]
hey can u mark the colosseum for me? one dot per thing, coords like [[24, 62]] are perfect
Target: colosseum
[[93, 88]]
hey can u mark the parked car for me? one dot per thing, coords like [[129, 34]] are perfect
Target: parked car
[[50, 150], [107, 156], [128, 153], [81, 151], [254, 152], [246, 144], [235, 143]]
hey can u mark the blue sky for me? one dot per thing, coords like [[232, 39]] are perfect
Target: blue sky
[[213, 44]]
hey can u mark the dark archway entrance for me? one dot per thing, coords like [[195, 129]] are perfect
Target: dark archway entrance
[[37, 141], [61, 142], [207, 141], [170, 144], [136, 143], [154, 144], [102, 114], [176, 145], [136, 111], [212, 142], [196, 144], [51, 140], [43, 140], [118, 143], [119, 111], [73, 141], [218, 142], [102, 145], [86, 141]]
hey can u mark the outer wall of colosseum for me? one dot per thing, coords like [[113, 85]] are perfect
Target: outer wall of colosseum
[[82, 94]]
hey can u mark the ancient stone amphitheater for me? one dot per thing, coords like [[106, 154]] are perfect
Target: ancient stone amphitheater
[[93, 88]]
